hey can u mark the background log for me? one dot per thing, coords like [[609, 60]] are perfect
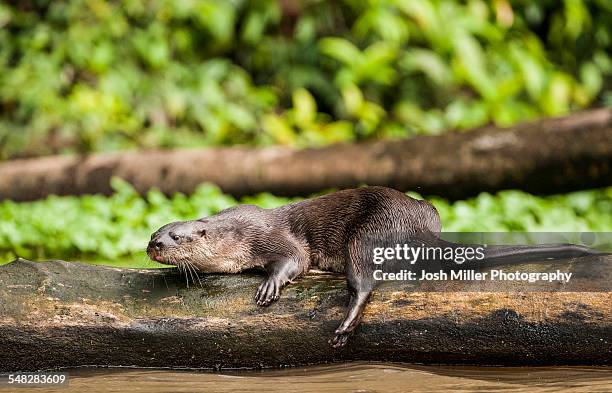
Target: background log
[[547, 156], [60, 314]]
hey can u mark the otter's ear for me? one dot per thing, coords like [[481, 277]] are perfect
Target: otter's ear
[[201, 232]]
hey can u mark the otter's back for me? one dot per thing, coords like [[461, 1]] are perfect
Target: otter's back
[[326, 224]]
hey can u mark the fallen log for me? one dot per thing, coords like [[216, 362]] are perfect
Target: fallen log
[[547, 156], [59, 314]]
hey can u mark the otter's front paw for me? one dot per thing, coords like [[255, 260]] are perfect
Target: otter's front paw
[[268, 292], [340, 339]]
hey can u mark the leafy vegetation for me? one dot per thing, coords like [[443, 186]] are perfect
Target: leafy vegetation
[[80, 75], [116, 229]]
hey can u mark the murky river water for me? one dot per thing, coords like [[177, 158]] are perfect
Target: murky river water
[[352, 377]]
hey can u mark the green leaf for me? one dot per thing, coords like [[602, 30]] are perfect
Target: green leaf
[[305, 107], [340, 49], [275, 126]]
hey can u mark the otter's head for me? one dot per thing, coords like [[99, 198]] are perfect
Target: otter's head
[[209, 245]]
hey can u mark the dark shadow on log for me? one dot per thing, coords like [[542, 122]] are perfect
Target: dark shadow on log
[[61, 314], [547, 156]]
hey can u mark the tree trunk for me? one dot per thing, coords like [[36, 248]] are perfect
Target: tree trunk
[[552, 155], [61, 314]]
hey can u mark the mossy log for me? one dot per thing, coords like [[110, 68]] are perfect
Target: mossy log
[[547, 156], [59, 314]]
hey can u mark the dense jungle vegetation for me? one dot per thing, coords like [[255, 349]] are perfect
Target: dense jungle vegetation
[[88, 75]]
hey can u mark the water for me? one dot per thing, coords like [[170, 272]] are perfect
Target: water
[[351, 377]]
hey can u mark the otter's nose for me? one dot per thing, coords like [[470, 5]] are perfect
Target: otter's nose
[[155, 245]]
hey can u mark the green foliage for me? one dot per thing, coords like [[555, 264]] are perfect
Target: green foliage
[[118, 227], [80, 75], [519, 211]]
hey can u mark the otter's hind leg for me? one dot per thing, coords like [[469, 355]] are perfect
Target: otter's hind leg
[[354, 313], [280, 273], [360, 285]]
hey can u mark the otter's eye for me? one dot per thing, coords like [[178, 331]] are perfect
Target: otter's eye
[[175, 237]]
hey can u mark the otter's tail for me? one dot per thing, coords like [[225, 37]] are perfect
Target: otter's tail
[[502, 255], [494, 255]]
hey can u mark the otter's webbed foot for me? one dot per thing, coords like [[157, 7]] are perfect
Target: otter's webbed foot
[[268, 292], [340, 339], [280, 273], [357, 304]]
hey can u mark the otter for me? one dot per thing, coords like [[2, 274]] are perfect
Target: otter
[[333, 232]]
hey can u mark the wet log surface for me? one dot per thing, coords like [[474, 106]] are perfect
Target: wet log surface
[[547, 156], [62, 314]]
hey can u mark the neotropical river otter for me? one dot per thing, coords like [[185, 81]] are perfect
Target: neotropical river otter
[[334, 232]]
